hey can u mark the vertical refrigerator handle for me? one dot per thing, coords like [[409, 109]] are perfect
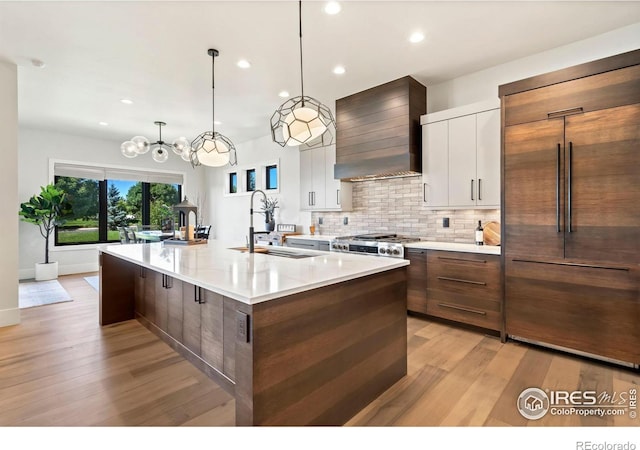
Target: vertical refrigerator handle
[[570, 163], [558, 191]]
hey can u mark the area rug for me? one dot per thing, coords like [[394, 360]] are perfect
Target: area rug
[[38, 293], [93, 281]]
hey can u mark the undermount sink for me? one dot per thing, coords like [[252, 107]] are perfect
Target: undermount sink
[[275, 252]]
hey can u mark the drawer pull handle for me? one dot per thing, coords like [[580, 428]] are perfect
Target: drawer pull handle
[[588, 266], [564, 112], [458, 280], [461, 308], [448, 258]]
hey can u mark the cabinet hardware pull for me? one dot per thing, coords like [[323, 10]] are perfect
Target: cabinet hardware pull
[[313, 196], [564, 112], [460, 308], [197, 295], [424, 192], [588, 266], [479, 188], [569, 187], [338, 196], [458, 280], [416, 251], [558, 191], [472, 190], [163, 281], [309, 199], [168, 282], [449, 258]]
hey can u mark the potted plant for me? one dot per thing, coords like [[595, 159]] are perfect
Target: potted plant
[[47, 210], [269, 206]]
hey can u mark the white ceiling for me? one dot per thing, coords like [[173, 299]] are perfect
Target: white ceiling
[[155, 53]]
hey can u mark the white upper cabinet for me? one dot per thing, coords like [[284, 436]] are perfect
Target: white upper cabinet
[[319, 191], [461, 157], [435, 164], [488, 157]]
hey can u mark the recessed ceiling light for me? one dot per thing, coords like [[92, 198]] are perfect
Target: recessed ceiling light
[[416, 37], [332, 8], [104, 124], [283, 94], [338, 70], [244, 64], [126, 101]]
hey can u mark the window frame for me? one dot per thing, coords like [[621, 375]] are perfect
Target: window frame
[[152, 175]]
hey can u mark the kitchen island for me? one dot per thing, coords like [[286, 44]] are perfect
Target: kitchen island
[[297, 337]]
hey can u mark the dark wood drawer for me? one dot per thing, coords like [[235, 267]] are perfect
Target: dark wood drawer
[[465, 287], [593, 309], [606, 90]]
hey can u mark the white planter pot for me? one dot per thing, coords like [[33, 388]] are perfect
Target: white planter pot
[[46, 271]]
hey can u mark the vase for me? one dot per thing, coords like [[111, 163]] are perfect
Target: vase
[[270, 225], [48, 271]]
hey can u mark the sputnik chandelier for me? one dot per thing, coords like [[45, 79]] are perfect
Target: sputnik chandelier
[[139, 145]]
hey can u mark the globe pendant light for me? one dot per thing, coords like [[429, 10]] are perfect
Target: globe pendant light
[[302, 120], [139, 145], [212, 148]]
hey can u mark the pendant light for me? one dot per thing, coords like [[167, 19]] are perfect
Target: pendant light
[[302, 120], [212, 148], [139, 145]]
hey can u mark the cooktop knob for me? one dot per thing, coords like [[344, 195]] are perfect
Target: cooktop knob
[[396, 251], [382, 251]]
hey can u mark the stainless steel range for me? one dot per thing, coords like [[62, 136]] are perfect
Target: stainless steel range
[[373, 244]]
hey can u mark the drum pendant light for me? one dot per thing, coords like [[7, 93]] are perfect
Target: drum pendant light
[[302, 120], [212, 148]]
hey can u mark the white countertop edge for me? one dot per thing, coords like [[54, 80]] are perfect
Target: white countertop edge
[[456, 247], [396, 264]]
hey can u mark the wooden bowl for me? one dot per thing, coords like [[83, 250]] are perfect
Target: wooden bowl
[[491, 233]]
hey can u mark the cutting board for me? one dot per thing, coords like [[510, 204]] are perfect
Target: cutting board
[[491, 233]]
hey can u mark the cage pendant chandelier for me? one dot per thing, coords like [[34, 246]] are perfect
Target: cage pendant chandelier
[[212, 148], [302, 120], [139, 145]]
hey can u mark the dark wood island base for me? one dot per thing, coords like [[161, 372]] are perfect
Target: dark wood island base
[[312, 358]]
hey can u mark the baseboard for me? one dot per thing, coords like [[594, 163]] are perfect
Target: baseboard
[[9, 317], [67, 269]]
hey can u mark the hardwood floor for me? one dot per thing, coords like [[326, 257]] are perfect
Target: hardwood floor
[[59, 367]]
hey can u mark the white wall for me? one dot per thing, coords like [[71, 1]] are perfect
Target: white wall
[[37, 148], [9, 312], [484, 84], [230, 215]]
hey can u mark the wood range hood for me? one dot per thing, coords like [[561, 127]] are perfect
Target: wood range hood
[[378, 131]]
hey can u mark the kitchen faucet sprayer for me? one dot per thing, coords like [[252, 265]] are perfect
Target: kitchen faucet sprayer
[[251, 238]]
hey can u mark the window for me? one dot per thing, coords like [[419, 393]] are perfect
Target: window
[[101, 205], [271, 177], [233, 183], [251, 180]]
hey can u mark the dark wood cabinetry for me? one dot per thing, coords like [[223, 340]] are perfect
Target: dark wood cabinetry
[[571, 221], [465, 287], [458, 286], [417, 280]]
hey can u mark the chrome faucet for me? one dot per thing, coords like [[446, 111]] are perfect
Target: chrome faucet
[[251, 244]]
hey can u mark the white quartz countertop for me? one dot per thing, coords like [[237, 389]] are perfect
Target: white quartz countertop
[[251, 278], [456, 247], [311, 237]]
